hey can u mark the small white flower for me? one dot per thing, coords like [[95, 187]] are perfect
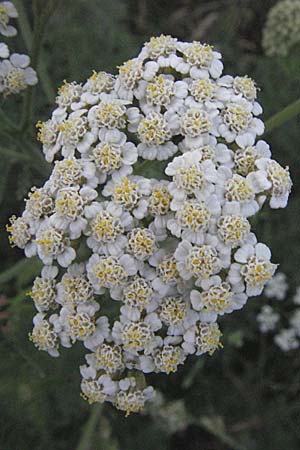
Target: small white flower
[[161, 46], [245, 157], [199, 262], [271, 177], [192, 219], [108, 222], [287, 340], [43, 291], [132, 399], [202, 338], [97, 389], [52, 244], [110, 113], [154, 133], [69, 209], [238, 123], [72, 172], [167, 274], [74, 135], [7, 12], [159, 202], [20, 232], [267, 319], [39, 204], [98, 83], [190, 176], [108, 272], [138, 336], [129, 192], [233, 229], [43, 335], [107, 357], [242, 190], [253, 268], [74, 287], [167, 358], [68, 94], [112, 153], [16, 75], [216, 298], [202, 60]]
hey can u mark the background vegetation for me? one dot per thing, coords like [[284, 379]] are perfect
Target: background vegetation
[[246, 396]]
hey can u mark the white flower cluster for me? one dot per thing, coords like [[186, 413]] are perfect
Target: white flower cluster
[[168, 255], [15, 72], [281, 33], [286, 338]]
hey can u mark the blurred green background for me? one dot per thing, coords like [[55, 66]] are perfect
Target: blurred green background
[[246, 396]]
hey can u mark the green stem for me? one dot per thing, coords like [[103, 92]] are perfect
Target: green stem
[[24, 23], [27, 34], [85, 442], [46, 81], [25, 154], [32, 265], [35, 50], [290, 111], [13, 154], [39, 160], [34, 159], [212, 428], [9, 124], [34, 54]]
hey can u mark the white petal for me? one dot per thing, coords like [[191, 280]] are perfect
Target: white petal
[[244, 253]]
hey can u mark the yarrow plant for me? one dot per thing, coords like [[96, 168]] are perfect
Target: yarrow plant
[[281, 31], [145, 216]]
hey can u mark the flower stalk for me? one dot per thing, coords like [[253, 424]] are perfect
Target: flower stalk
[[36, 40], [86, 439], [27, 34], [283, 116]]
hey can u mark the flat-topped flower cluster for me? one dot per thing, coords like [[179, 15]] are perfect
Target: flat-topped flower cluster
[[166, 255], [279, 40]]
